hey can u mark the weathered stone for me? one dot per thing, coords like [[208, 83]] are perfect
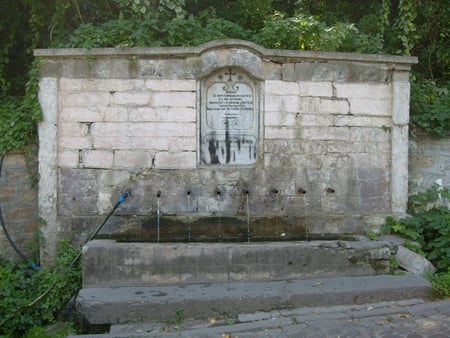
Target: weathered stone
[[97, 159], [413, 262], [421, 162], [227, 116], [132, 159], [131, 99], [140, 264]]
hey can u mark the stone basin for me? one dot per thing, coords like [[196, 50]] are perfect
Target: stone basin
[[109, 263]]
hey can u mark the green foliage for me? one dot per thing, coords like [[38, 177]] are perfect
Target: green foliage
[[430, 107], [153, 32], [179, 316], [372, 235], [440, 285], [250, 14], [305, 33], [19, 117], [406, 26], [429, 226], [425, 200], [150, 8], [433, 43], [21, 286], [393, 264]]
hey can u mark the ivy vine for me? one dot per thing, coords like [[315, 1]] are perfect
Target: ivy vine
[[19, 116]]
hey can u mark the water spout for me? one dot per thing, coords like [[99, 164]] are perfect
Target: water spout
[[158, 196], [248, 215], [218, 215], [188, 194], [276, 213], [305, 205]]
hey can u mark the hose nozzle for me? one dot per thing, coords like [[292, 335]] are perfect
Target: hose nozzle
[[124, 196]]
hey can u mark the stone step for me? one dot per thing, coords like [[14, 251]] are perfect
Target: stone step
[[107, 263], [112, 305]]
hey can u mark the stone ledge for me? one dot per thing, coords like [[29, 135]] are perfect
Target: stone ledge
[[274, 54]]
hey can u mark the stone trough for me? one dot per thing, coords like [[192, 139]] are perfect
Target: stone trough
[[107, 263], [125, 283]]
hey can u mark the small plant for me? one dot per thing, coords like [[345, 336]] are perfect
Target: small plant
[[440, 285], [372, 235], [429, 226], [417, 248], [179, 316], [393, 263], [33, 297]]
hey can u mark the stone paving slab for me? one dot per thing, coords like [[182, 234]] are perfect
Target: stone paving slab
[[412, 318], [201, 301]]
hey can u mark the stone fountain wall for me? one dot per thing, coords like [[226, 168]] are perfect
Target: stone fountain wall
[[224, 140]]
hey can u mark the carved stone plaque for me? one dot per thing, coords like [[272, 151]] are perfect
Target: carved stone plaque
[[229, 130]]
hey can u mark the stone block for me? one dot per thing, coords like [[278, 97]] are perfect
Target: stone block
[[400, 102], [344, 147], [378, 107], [413, 262], [174, 99], [309, 71], [366, 160], [102, 159], [66, 84], [320, 105], [73, 129], [85, 99], [68, 158], [371, 174], [13, 160], [149, 129], [281, 104], [280, 133], [360, 73], [113, 85], [362, 121], [20, 214], [74, 69], [325, 133], [307, 161], [164, 85], [50, 68], [81, 114], [281, 88], [16, 175], [315, 120], [363, 90], [276, 119], [421, 162], [27, 195], [367, 134], [120, 114], [111, 68], [180, 144], [73, 142], [132, 159], [182, 160], [131, 142], [132, 99], [323, 89], [77, 192], [139, 114], [176, 114], [7, 193]]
